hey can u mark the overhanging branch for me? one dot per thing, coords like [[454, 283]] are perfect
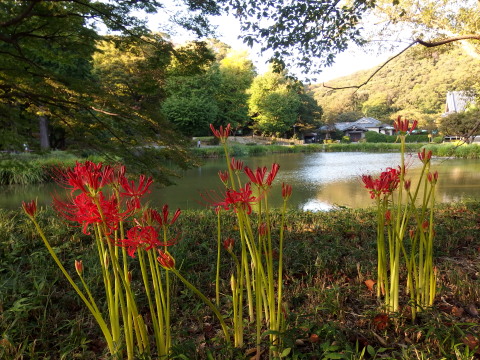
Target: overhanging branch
[[428, 44]]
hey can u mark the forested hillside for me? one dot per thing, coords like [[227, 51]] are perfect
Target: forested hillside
[[414, 85]]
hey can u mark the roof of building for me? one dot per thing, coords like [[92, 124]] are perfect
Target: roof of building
[[363, 124]]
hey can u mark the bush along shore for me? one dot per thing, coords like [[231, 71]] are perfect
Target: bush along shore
[[27, 169], [330, 303], [470, 151]]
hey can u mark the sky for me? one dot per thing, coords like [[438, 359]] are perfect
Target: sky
[[228, 29], [352, 60]]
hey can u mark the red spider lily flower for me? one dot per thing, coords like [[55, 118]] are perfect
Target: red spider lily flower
[[118, 175], [385, 184], [286, 191], [135, 193], [223, 175], [83, 210], [79, 267], [221, 133], [403, 126], [432, 177], [141, 237], [425, 156], [166, 260], [239, 199], [162, 219], [87, 177], [228, 244], [236, 165], [258, 177], [150, 216], [30, 208]]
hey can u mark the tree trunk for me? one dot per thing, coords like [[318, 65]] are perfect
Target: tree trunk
[[43, 125]]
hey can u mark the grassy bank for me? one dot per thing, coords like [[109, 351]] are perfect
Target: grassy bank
[[27, 168], [331, 314]]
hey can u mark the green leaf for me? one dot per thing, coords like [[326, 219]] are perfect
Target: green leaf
[[285, 352]]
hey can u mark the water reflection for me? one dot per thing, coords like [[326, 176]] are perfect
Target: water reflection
[[320, 181]]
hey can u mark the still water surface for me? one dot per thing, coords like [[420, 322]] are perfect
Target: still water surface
[[320, 181]]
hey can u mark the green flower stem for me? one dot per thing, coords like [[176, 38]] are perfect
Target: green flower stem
[[207, 302], [219, 246], [280, 264], [159, 302], [245, 270], [97, 315]]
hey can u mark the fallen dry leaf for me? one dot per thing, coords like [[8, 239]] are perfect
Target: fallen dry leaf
[[457, 311], [370, 283], [314, 338], [472, 342], [381, 321]]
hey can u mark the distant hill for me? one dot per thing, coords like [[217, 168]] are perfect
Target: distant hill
[[414, 85]]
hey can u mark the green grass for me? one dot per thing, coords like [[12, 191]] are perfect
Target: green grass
[[465, 151], [27, 168], [330, 311]]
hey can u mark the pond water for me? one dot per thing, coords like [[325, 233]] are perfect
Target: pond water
[[320, 181]]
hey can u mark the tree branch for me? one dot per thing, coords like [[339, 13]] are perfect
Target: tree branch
[[373, 74], [447, 41], [417, 41], [21, 16]]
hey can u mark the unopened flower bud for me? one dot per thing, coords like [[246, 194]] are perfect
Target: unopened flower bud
[[411, 233], [407, 184], [30, 208], [228, 244], [388, 217], [223, 175], [262, 229], [425, 225], [130, 276], [79, 267], [166, 260], [286, 191], [432, 177]]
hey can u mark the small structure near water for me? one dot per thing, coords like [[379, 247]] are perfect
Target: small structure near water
[[356, 130]]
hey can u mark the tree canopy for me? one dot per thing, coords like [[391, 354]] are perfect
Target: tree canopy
[[47, 72]]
